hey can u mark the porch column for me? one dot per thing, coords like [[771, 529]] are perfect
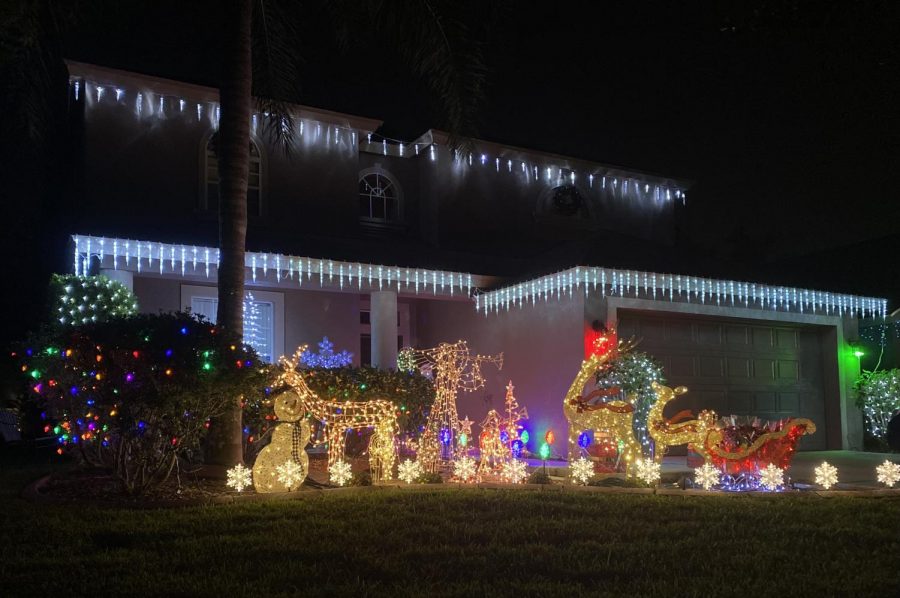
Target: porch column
[[123, 276], [383, 321]]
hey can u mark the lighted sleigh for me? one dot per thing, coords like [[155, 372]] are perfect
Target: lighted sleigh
[[738, 446]]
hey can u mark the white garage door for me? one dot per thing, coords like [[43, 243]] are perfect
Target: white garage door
[[737, 367]]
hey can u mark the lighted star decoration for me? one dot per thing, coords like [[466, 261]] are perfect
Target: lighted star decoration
[[464, 469], [582, 470], [771, 477], [339, 473], [888, 473], [707, 476], [513, 471], [239, 477], [409, 471], [648, 471], [826, 475], [465, 426], [289, 473]]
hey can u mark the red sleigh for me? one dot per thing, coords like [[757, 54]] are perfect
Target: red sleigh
[[745, 446]]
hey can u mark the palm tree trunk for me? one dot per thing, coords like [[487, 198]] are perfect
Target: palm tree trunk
[[232, 145]]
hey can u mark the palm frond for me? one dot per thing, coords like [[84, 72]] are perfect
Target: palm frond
[[437, 44], [275, 69]]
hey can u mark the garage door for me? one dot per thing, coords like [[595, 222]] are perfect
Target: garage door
[[737, 367]]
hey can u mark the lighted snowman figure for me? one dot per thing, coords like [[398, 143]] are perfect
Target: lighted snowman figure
[[288, 446]]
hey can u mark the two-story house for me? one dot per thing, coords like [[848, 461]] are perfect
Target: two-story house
[[379, 244]]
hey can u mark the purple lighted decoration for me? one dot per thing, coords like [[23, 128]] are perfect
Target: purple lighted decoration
[[584, 440], [445, 436], [504, 436], [129, 377], [517, 447]]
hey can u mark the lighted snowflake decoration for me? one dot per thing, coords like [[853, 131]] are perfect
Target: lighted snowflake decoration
[[290, 473], [582, 470], [648, 471], [888, 473], [513, 471], [464, 469], [771, 477], [409, 471], [339, 473], [826, 475], [239, 477], [707, 476]]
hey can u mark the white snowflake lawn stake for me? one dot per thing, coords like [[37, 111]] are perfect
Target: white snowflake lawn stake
[[339, 473], [707, 476], [513, 471], [888, 473], [239, 477], [648, 471], [771, 477], [409, 471], [289, 473], [582, 470], [464, 469], [826, 475]]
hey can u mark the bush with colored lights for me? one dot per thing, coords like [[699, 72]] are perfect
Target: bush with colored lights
[[135, 394]]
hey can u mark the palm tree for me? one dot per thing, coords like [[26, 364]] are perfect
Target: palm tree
[[258, 57]]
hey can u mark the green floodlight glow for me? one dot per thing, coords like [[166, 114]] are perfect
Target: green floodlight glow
[[858, 353]]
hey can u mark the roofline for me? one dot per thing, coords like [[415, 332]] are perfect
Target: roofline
[[111, 77], [443, 138]]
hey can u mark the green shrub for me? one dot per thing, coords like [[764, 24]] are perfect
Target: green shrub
[[430, 477], [135, 394], [361, 478], [538, 476]]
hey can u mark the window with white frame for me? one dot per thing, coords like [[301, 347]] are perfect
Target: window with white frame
[[263, 317], [379, 197], [211, 179]]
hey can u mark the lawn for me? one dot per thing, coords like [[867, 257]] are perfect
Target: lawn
[[467, 541]]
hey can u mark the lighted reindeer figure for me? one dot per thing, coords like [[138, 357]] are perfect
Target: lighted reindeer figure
[[341, 416], [677, 430], [454, 368], [612, 417]]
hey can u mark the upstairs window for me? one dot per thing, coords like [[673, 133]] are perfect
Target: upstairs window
[[379, 198], [254, 180]]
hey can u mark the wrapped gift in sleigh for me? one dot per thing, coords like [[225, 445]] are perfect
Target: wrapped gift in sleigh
[[745, 445]]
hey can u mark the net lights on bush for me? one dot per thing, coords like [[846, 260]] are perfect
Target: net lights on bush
[[878, 395], [826, 475], [888, 473], [707, 476], [87, 299], [409, 471], [677, 288], [771, 477], [582, 470], [339, 473], [239, 477]]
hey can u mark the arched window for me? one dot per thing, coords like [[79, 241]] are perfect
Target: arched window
[[211, 179], [379, 198]]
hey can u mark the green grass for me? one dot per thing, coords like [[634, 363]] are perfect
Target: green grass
[[470, 541]]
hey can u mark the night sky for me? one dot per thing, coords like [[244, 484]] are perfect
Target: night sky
[[784, 114]]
